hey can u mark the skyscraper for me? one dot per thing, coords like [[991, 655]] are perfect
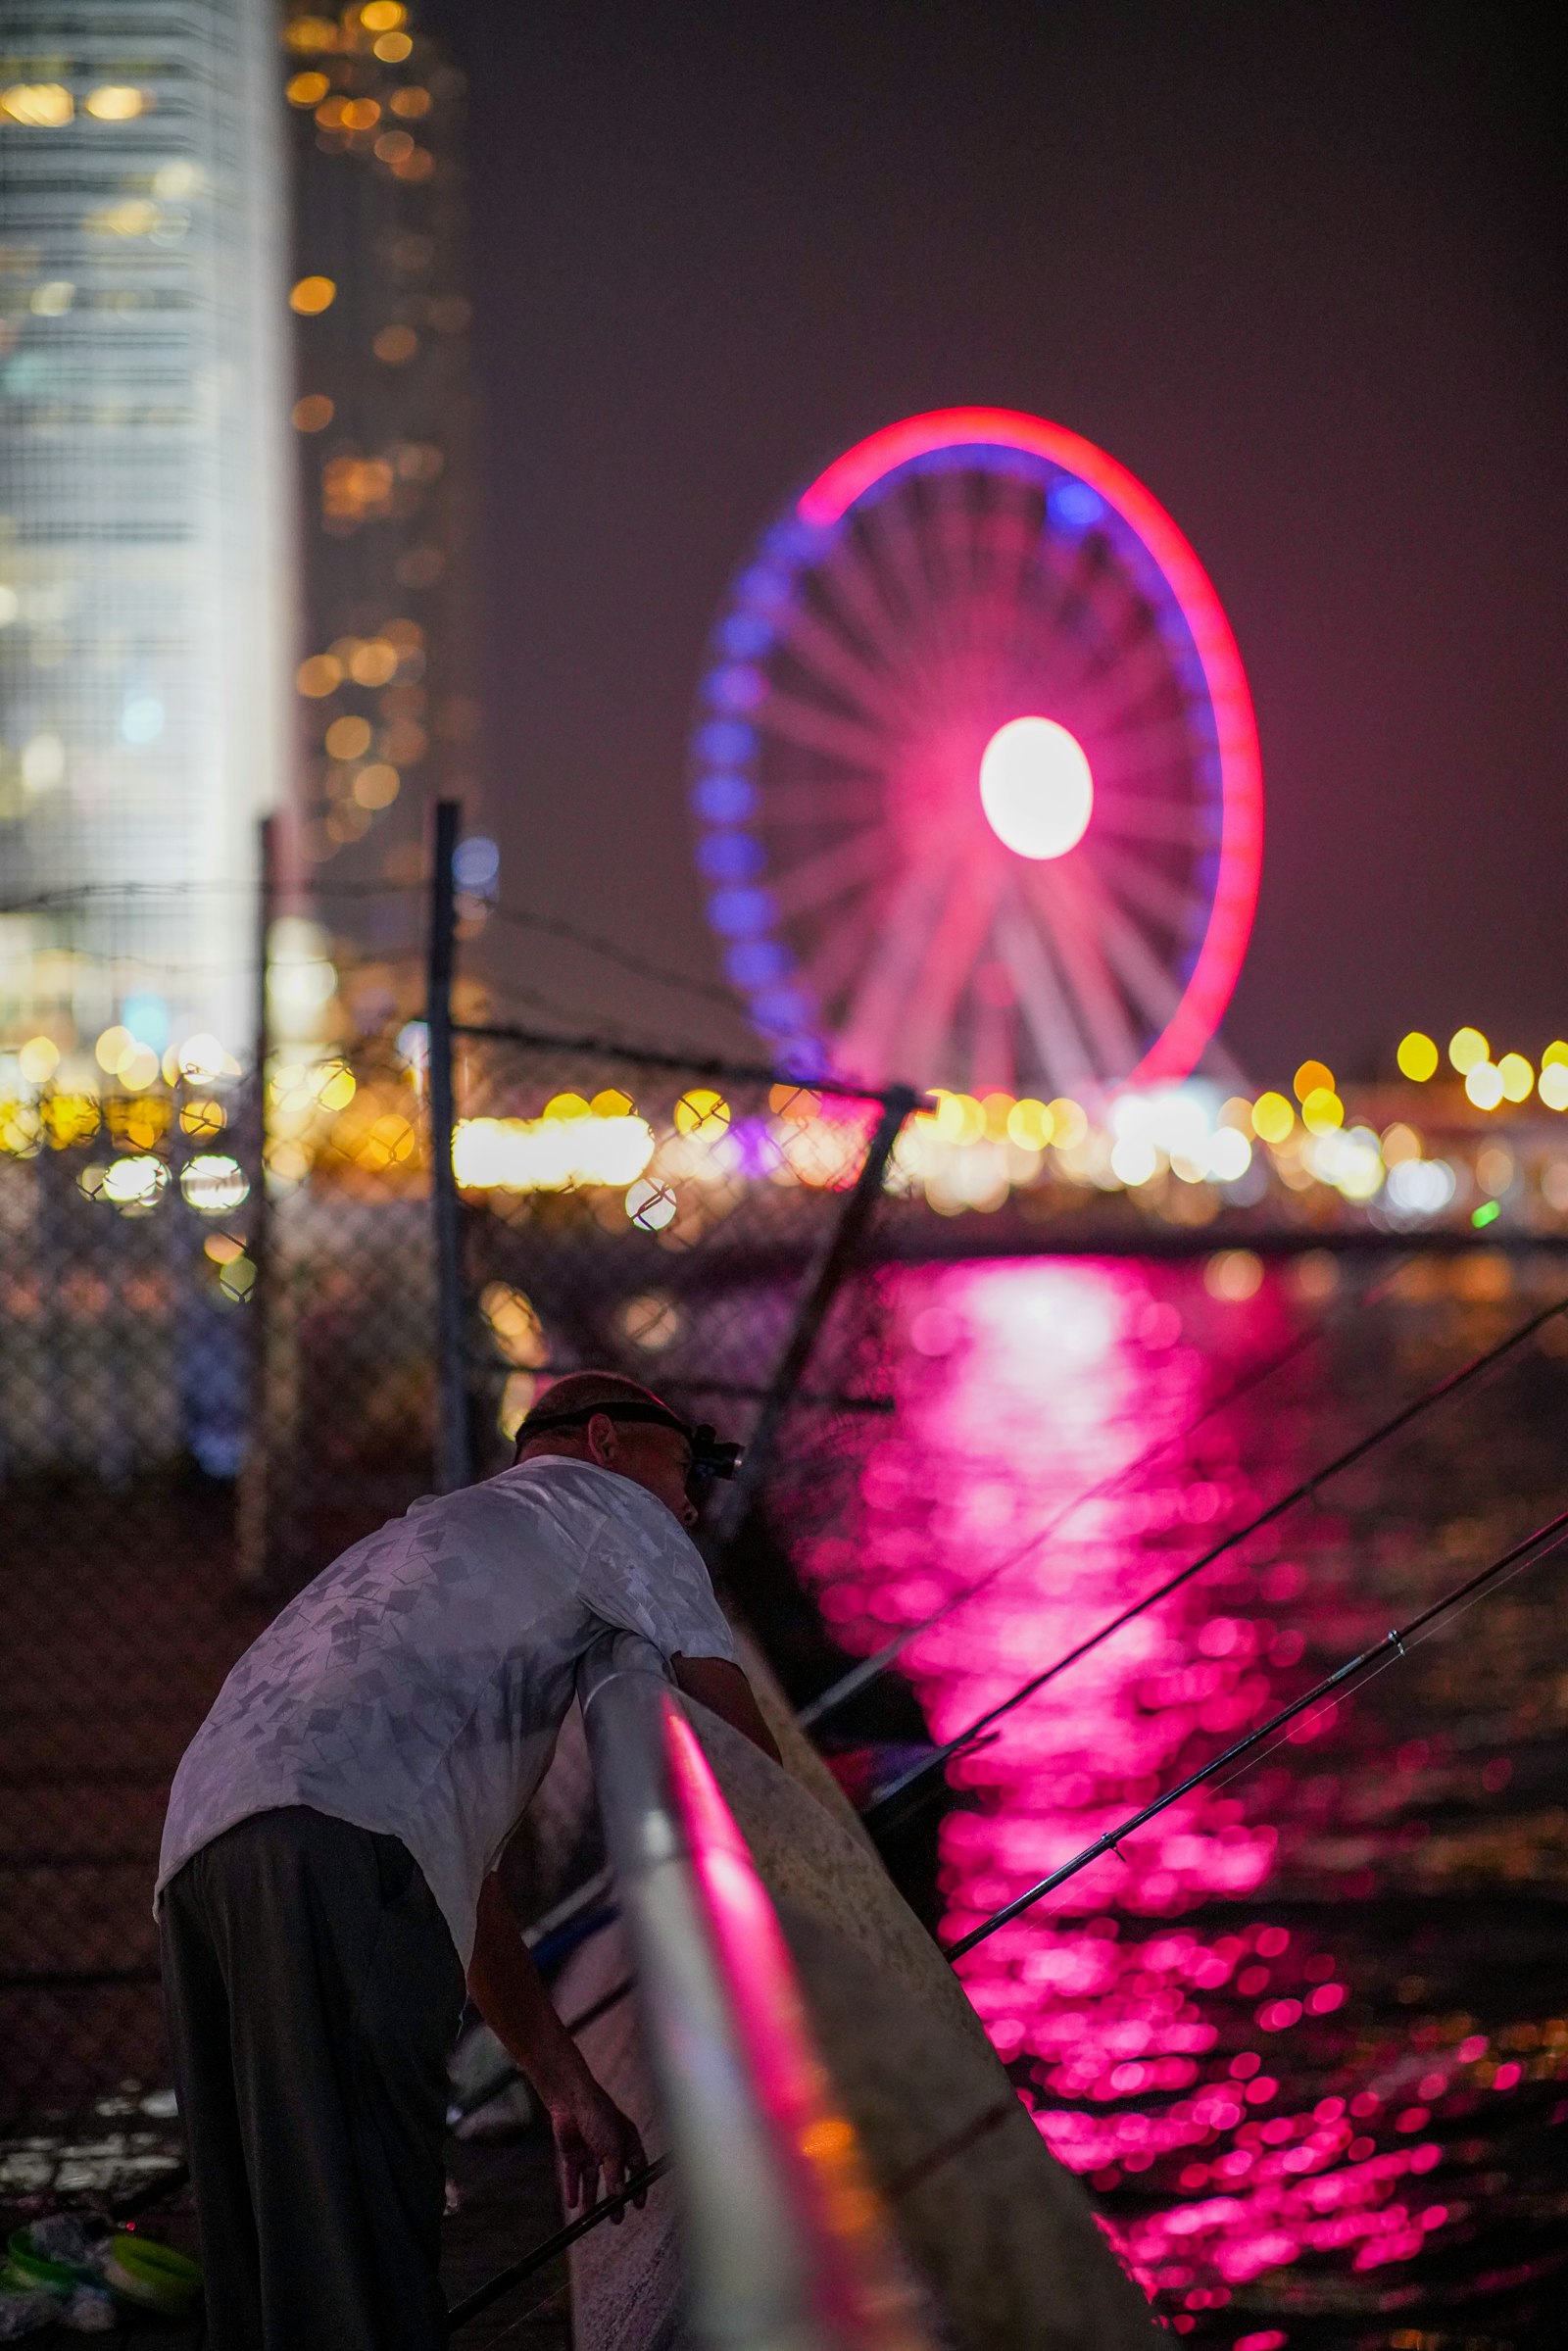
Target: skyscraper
[[385, 714], [145, 500]]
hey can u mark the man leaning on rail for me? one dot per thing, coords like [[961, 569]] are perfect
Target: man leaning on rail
[[327, 1880]]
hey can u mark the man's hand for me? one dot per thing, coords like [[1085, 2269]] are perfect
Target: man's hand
[[598, 2146], [594, 2140]]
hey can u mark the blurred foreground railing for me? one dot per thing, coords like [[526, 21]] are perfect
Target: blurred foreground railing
[[786, 2245]]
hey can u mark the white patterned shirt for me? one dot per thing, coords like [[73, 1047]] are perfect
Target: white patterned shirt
[[418, 1685]]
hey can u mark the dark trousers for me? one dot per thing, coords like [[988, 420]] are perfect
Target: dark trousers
[[313, 1991]]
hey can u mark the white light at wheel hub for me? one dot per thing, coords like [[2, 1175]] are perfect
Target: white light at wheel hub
[[1036, 787]]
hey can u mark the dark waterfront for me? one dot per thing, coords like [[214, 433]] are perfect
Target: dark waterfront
[[1307, 2038]]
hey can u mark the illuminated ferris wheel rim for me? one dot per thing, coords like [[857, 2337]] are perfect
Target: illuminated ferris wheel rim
[[855, 478], [849, 478]]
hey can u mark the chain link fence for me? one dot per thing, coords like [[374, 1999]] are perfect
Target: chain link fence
[[221, 1363]]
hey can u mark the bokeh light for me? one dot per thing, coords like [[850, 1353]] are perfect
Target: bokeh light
[[1467, 1047], [1417, 1057]]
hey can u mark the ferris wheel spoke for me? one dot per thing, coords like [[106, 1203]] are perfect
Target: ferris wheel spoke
[[830, 653], [1151, 988], [1135, 816], [1106, 695], [814, 728], [1099, 1004], [829, 969], [1153, 892], [891, 968], [950, 960], [1150, 749], [831, 874], [1065, 1057]]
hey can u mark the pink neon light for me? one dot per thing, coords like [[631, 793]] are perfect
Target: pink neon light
[[856, 2286], [1175, 1052]]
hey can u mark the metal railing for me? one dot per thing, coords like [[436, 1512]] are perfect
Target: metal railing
[[786, 2244]]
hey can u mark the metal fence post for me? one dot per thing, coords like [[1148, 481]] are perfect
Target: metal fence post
[[452, 1464], [252, 1545], [837, 1256]]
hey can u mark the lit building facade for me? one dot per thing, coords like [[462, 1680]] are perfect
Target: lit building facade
[[145, 512], [385, 716]]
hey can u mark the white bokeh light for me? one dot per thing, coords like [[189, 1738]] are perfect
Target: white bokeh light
[[1036, 787]]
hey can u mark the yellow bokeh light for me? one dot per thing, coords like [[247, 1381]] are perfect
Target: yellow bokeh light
[[41, 105], [136, 216], [309, 296], [310, 33], [572, 1105], [1554, 1087], [1483, 1083], [796, 1103], [393, 47], [112, 1048], [307, 89], [995, 1109], [410, 104], [359, 114], [1467, 1047], [1272, 1118], [377, 786], [70, 1118], [138, 1068], [1417, 1057], [1555, 1055], [313, 414], [373, 661], [1322, 1111], [1069, 1122], [1313, 1077], [1029, 1125], [960, 1117], [317, 676], [1399, 1144], [382, 15], [347, 738], [115, 102], [611, 1103], [203, 1117], [701, 1112], [1518, 1078], [38, 1059]]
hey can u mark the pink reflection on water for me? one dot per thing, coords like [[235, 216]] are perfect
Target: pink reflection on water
[[1021, 1385]]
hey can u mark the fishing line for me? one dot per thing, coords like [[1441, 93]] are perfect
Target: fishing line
[[1430, 1634], [869, 1668], [1358, 1452], [1543, 1544]]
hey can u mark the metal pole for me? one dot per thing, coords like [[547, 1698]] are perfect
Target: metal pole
[[786, 2244], [837, 1256], [452, 1466], [253, 1501]]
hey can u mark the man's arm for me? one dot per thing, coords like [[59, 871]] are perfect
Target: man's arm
[[594, 2140], [724, 1691]]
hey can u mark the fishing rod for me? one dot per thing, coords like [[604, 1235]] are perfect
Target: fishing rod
[[869, 1669], [1427, 1401], [608, 2208], [1541, 1544]]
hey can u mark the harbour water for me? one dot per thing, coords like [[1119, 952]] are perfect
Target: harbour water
[[1306, 2035]]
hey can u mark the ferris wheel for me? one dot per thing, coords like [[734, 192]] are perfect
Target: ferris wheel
[[975, 770]]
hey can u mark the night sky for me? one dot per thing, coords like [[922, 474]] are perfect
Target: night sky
[[1299, 267]]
